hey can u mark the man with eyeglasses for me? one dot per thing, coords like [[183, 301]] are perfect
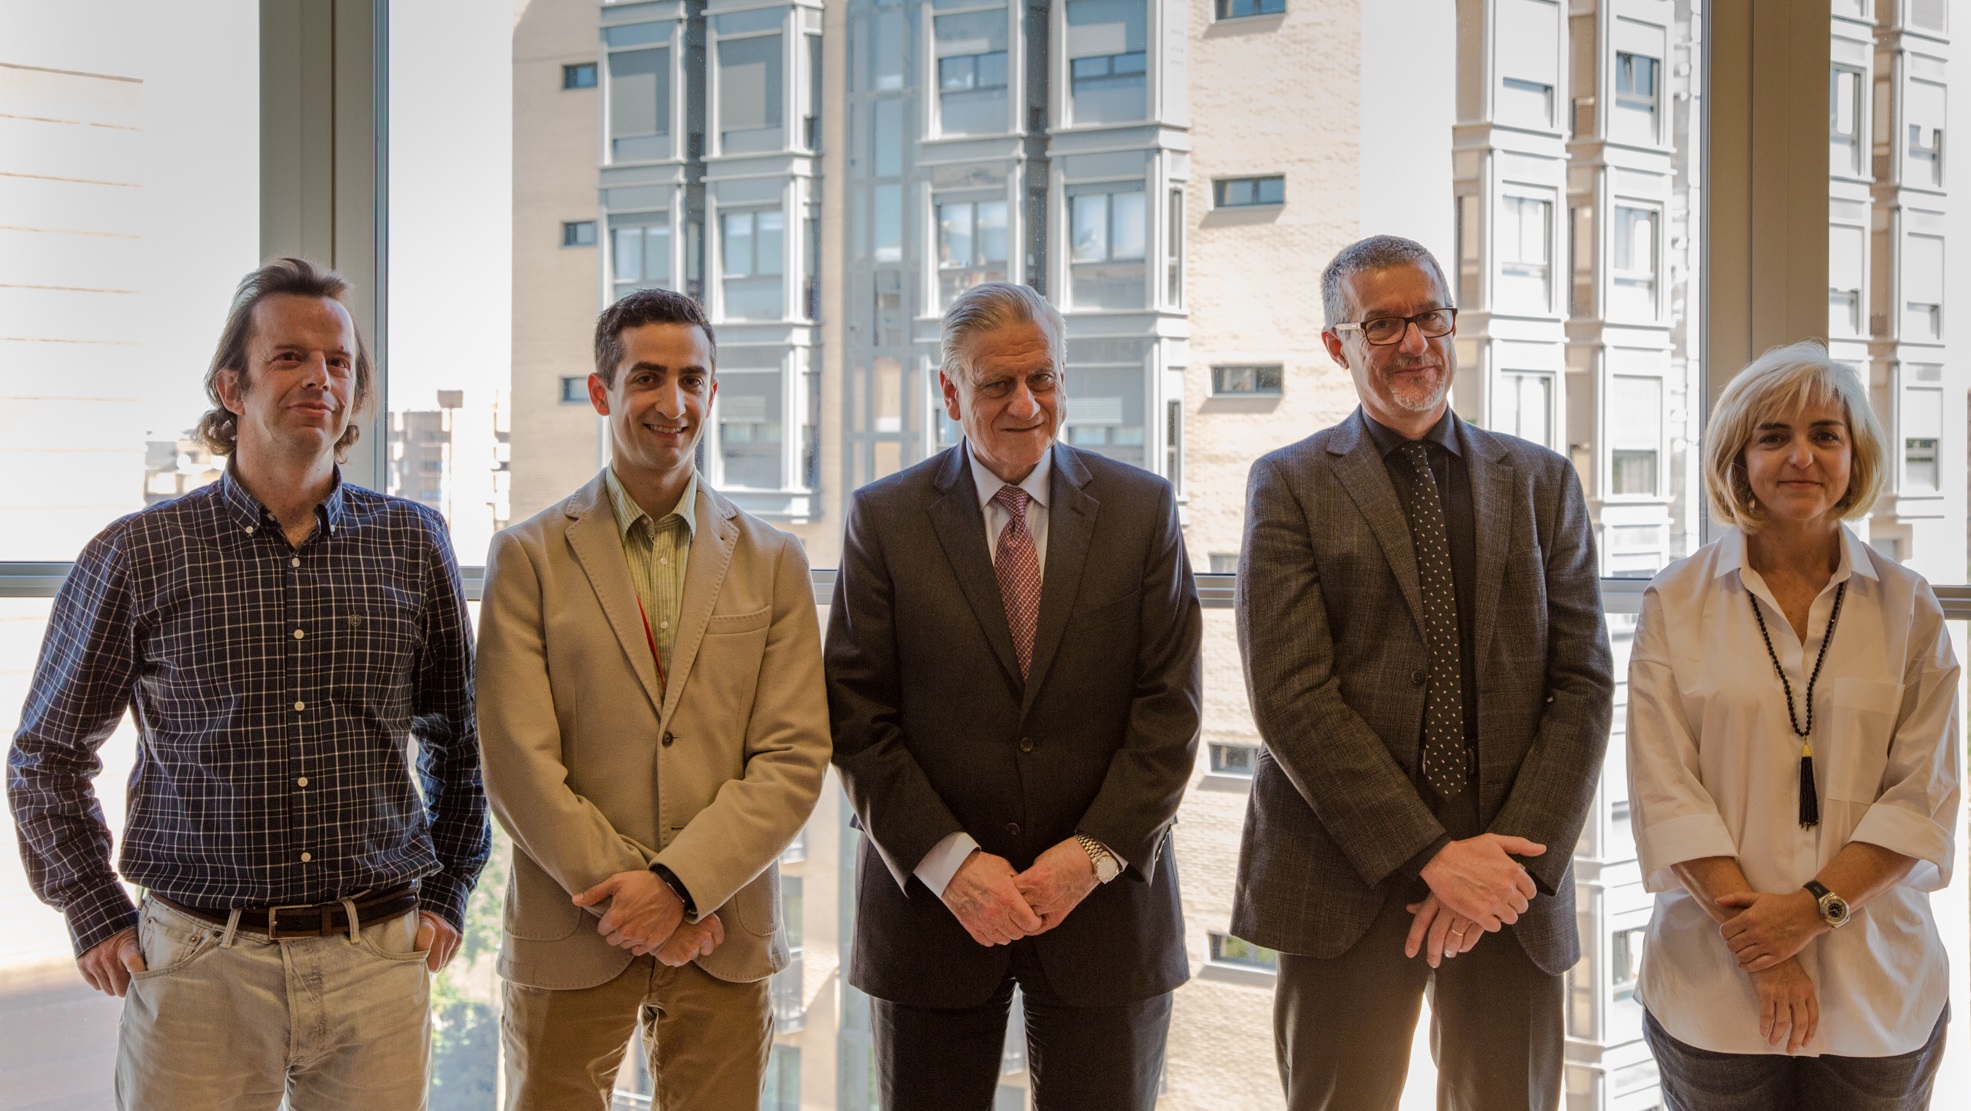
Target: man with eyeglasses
[[1420, 618], [1014, 683]]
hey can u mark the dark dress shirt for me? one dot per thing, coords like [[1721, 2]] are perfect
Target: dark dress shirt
[[275, 691]]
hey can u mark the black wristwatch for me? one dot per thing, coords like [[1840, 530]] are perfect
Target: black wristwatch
[[1833, 908]]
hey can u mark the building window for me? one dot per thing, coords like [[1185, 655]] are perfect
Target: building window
[[811, 123], [575, 389], [751, 71], [578, 233], [749, 423], [1529, 61], [1625, 950], [1923, 115], [1111, 414], [1229, 950], [1108, 228], [1174, 265], [1929, 15], [1233, 759], [1844, 116], [1264, 379], [752, 256], [1635, 432], [1173, 445], [1633, 264], [1224, 563], [1108, 60], [1923, 288], [1525, 406], [1240, 192], [581, 75], [971, 48], [1846, 251], [639, 94], [640, 252], [971, 245], [1635, 96], [1240, 9], [1525, 249], [1920, 465]]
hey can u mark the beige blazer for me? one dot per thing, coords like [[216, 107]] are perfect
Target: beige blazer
[[593, 772]]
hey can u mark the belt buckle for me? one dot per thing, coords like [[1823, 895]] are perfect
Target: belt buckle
[[273, 922]]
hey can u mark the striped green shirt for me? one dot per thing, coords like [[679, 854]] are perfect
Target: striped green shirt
[[657, 551]]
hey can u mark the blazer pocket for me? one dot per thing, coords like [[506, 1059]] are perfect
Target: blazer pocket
[[1105, 613], [724, 624], [537, 909], [755, 904], [1861, 721]]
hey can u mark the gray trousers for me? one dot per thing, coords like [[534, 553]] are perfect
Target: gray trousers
[[1700, 1080]]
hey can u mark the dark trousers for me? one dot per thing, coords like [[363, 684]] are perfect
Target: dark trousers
[[1699, 1080], [1342, 1026], [1078, 1058]]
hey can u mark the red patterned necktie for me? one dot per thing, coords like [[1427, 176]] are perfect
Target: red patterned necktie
[[1018, 568]]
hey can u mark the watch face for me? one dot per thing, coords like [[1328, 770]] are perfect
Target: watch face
[[1835, 909]]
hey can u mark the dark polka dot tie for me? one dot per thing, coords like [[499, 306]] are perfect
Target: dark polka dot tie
[[1018, 567], [1444, 706]]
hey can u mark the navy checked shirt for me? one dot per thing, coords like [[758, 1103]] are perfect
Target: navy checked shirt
[[275, 692]]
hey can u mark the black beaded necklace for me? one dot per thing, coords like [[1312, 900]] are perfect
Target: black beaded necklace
[[1809, 798]]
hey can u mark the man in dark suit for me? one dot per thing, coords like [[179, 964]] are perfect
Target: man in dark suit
[[1420, 617], [1015, 721]]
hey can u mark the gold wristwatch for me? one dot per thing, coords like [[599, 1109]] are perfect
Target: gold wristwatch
[[1104, 861]]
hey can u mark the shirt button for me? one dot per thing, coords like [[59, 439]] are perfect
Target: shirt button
[[663, 624], [298, 634], [249, 530], [299, 705], [294, 561], [1026, 744], [665, 560], [1013, 828], [306, 857], [301, 782], [1417, 677]]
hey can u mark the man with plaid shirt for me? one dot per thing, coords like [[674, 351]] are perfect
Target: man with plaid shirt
[[278, 636]]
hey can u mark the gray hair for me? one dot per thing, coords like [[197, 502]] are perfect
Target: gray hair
[[991, 305], [1377, 252]]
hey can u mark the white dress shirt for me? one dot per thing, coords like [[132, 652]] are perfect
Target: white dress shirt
[[941, 863], [1714, 770]]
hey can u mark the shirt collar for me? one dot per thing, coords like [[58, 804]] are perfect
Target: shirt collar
[[247, 511], [1444, 434], [1855, 558], [1035, 483], [628, 511]]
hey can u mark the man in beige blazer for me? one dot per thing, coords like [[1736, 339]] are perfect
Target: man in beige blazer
[[655, 731]]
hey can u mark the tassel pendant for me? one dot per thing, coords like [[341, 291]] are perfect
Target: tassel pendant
[[1809, 798]]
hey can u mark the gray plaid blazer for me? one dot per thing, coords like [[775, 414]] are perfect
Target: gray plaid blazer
[[1330, 623]]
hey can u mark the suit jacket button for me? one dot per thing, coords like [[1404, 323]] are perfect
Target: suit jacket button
[[667, 740], [1417, 678], [1013, 828], [1026, 744]]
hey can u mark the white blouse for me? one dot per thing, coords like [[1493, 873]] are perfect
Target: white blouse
[[1714, 770]]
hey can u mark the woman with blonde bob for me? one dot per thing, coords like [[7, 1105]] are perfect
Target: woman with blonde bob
[[1793, 771]]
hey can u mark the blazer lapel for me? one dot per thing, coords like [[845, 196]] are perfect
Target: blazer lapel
[[714, 537], [1070, 526], [598, 547], [1360, 469], [1492, 478], [960, 528]]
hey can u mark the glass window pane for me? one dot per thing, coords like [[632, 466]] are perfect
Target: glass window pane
[[750, 95], [1131, 227], [628, 253], [992, 231], [657, 255], [637, 79], [771, 229], [955, 234], [738, 257], [1090, 217]]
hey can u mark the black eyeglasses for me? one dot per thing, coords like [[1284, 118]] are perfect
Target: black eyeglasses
[[1386, 331]]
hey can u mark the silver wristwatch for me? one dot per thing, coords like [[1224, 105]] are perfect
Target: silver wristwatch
[[1833, 908], [1104, 861]]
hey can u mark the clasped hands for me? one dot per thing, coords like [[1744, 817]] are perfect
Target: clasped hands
[[997, 905], [1476, 887], [1766, 936], [646, 917]]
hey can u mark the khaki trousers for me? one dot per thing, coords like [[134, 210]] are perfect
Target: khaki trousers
[[328, 1023], [707, 1039]]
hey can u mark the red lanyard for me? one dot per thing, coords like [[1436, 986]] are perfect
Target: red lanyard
[[654, 657]]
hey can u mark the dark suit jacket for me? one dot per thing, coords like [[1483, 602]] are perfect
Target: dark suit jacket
[[935, 732], [1330, 620]]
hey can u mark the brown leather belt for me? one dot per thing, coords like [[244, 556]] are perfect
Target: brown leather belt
[[305, 919]]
